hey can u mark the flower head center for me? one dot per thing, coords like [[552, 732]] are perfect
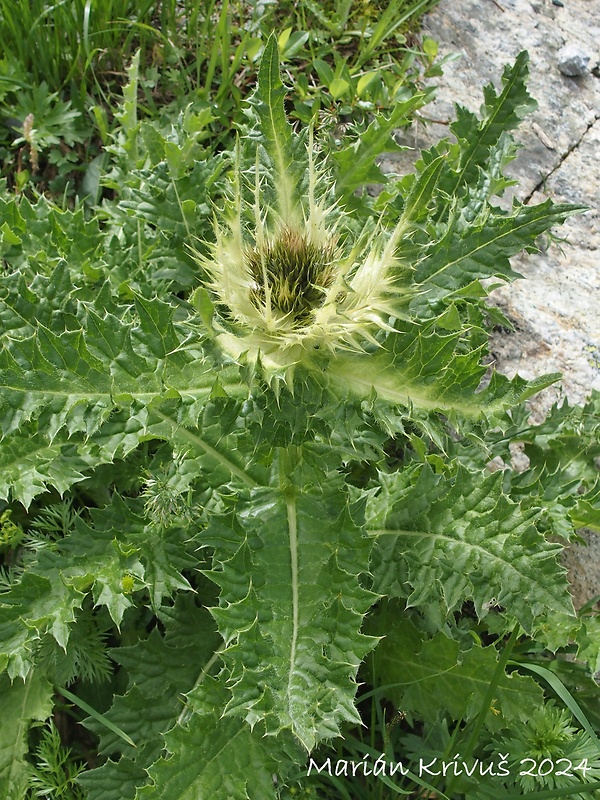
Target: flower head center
[[291, 275]]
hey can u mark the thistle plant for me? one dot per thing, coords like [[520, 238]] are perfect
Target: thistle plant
[[302, 443]]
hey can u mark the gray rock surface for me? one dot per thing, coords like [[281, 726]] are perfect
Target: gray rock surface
[[556, 312], [572, 60]]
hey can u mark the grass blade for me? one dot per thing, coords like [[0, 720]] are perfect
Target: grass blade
[[97, 716]]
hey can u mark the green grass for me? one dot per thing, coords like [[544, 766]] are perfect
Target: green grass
[[63, 66], [84, 46], [83, 43]]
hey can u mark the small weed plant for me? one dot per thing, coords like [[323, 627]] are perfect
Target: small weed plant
[[252, 545]]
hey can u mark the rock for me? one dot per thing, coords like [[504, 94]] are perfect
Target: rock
[[573, 60]]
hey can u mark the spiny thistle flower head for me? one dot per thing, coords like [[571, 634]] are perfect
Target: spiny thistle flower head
[[289, 277]]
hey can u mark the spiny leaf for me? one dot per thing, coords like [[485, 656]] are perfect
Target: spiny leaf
[[473, 249], [423, 675], [419, 197], [44, 300], [40, 236], [447, 540], [236, 763], [61, 386], [23, 702], [54, 378], [114, 780], [159, 669], [355, 163], [38, 603], [562, 453], [503, 112], [29, 464], [431, 371], [94, 559], [156, 323], [276, 131], [155, 557], [288, 562]]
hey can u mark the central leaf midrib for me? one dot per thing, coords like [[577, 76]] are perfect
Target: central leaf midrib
[[187, 392], [346, 369], [292, 519]]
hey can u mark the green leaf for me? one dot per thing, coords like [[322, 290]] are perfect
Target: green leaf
[[155, 322], [445, 540], [94, 559], [323, 70], [503, 112], [364, 81], [338, 87], [49, 237], [294, 44], [114, 780], [355, 163], [23, 703], [425, 675], [127, 115], [586, 515], [101, 719], [276, 131], [417, 203], [8, 236], [562, 451], [159, 669], [29, 464], [38, 603], [473, 249], [291, 606], [55, 376], [61, 386], [588, 641], [236, 763], [431, 371], [45, 600], [155, 556]]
